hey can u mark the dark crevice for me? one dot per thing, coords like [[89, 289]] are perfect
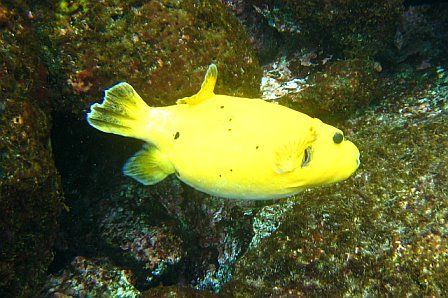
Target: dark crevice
[[89, 163]]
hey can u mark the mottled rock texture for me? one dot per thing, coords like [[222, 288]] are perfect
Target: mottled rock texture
[[30, 192], [346, 29], [339, 90], [382, 232], [162, 48]]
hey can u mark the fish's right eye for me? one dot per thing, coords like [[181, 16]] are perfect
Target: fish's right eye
[[306, 157]]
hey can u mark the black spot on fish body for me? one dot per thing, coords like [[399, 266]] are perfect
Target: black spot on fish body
[[230, 119], [231, 170], [257, 147], [222, 107], [176, 136], [229, 129]]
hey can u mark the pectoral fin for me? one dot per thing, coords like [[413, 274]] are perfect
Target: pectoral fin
[[148, 166], [296, 154], [207, 88], [287, 158]]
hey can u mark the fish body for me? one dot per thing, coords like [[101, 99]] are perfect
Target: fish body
[[226, 146]]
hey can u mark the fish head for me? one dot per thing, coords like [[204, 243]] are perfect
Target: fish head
[[329, 158]]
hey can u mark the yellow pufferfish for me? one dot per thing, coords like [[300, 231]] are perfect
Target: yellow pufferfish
[[226, 146]]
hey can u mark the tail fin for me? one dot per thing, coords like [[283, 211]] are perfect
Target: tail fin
[[122, 112]]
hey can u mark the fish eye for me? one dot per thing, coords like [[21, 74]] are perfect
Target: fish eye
[[306, 157], [338, 138]]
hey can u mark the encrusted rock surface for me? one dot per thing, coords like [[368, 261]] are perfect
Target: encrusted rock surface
[[162, 48], [30, 191], [91, 278], [383, 231]]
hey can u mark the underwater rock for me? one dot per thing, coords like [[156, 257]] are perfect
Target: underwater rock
[[139, 235], [91, 278], [421, 39], [177, 291], [382, 232], [214, 232], [265, 38], [30, 191], [346, 29], [166, 233], [162, 48], [353, 29], [193, 238], [110, 216], [338, 91], [222, 235]]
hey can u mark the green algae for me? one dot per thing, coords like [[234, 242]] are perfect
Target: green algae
[[177, 291], [161, 47], [70, 7], [92, 278], [351, 29], [30, 191], [338, 90]]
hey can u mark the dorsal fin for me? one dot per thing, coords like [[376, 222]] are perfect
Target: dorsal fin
[[207, 88]]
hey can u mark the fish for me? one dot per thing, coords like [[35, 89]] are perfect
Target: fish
[[226, 146]]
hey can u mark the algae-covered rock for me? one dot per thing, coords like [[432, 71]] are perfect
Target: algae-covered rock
[[382, 232], [177, 291], [339, 90], [165, 233], [91, 278], [355, 28], [162, 48], [349, 29], [422, 36], [111, 216], [136, 232], [30, 193]]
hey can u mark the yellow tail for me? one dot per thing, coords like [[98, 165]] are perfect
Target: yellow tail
[[122, 112]]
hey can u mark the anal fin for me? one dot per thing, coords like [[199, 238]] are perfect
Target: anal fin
[[148, 166]]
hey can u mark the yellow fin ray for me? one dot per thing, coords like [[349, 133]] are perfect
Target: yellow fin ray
[[122, 112], [148, 166], [290, 156], [206, 90]]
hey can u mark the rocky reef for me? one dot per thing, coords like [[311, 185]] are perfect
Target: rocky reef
[[86, 277], [346, 29], [162, 48], [381, 232], [338, 90], [30, 190], [72, 225]]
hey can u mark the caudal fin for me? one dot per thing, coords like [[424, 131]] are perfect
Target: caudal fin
[[122, 112]]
